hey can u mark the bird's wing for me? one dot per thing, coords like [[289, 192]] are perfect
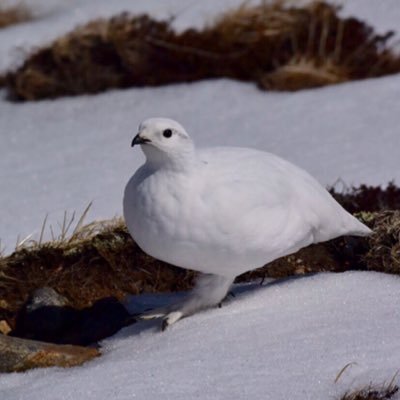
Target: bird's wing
[[251, 199]]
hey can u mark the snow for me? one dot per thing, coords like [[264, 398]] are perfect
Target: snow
[[383, 15], [286, 340]]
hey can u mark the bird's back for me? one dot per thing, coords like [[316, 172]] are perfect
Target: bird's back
[[275, 183]]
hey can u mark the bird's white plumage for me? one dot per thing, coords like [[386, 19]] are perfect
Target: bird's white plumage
[[224, 211]]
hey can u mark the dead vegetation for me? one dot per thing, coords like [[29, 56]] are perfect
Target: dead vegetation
[[384, 392], [97, 263], [384, 246], [101, 259], [367, 198], [278, 46], [13, 15]]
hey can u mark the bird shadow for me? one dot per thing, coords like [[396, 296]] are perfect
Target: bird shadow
[[136, 305], [241, 290]]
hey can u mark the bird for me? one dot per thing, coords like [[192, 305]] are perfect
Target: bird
[[222, 211]]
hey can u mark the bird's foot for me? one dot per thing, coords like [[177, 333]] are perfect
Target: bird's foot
[[169, 315]]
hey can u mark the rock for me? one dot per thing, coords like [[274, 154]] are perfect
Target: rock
[[45, 296], [18, 355], [47, 317]]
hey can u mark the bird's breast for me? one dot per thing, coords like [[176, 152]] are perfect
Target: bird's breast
[[158, 210]]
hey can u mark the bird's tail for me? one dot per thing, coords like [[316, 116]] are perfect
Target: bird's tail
[[357, 228]]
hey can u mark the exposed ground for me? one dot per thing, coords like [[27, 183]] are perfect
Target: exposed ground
[[275, 45]]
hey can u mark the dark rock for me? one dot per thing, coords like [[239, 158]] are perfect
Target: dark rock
[[104, 318], [45, 296], [47, 317]]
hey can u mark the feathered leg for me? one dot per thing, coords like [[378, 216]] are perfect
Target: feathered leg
[[209, 290]]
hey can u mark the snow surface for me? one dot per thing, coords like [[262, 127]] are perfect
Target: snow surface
[[286, 340]]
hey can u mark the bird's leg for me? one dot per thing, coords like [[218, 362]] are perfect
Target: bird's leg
[[209, 290]]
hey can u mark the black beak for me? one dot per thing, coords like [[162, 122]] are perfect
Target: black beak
[[139, 140]]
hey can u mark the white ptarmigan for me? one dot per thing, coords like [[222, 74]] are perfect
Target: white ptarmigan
[[222, 211]]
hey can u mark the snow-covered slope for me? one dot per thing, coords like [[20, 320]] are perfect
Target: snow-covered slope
[[286, 340], [60, 155]]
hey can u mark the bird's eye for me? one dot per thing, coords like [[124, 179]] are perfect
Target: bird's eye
[[167, 133]]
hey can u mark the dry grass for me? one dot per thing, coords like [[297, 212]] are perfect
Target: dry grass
[[367, 198], [383, 392], [280, 47], [384, 246], [13, 15]]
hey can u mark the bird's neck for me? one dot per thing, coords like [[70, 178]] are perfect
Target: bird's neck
[[179, 162]]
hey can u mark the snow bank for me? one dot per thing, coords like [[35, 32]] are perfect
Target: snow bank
[[286, 340]]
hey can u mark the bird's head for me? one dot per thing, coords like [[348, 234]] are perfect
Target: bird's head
[[163, 140]]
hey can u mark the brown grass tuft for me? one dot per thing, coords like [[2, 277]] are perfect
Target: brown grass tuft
[[13, 15], [367, 198], [280, 47], [384, 245], [384, 392]]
